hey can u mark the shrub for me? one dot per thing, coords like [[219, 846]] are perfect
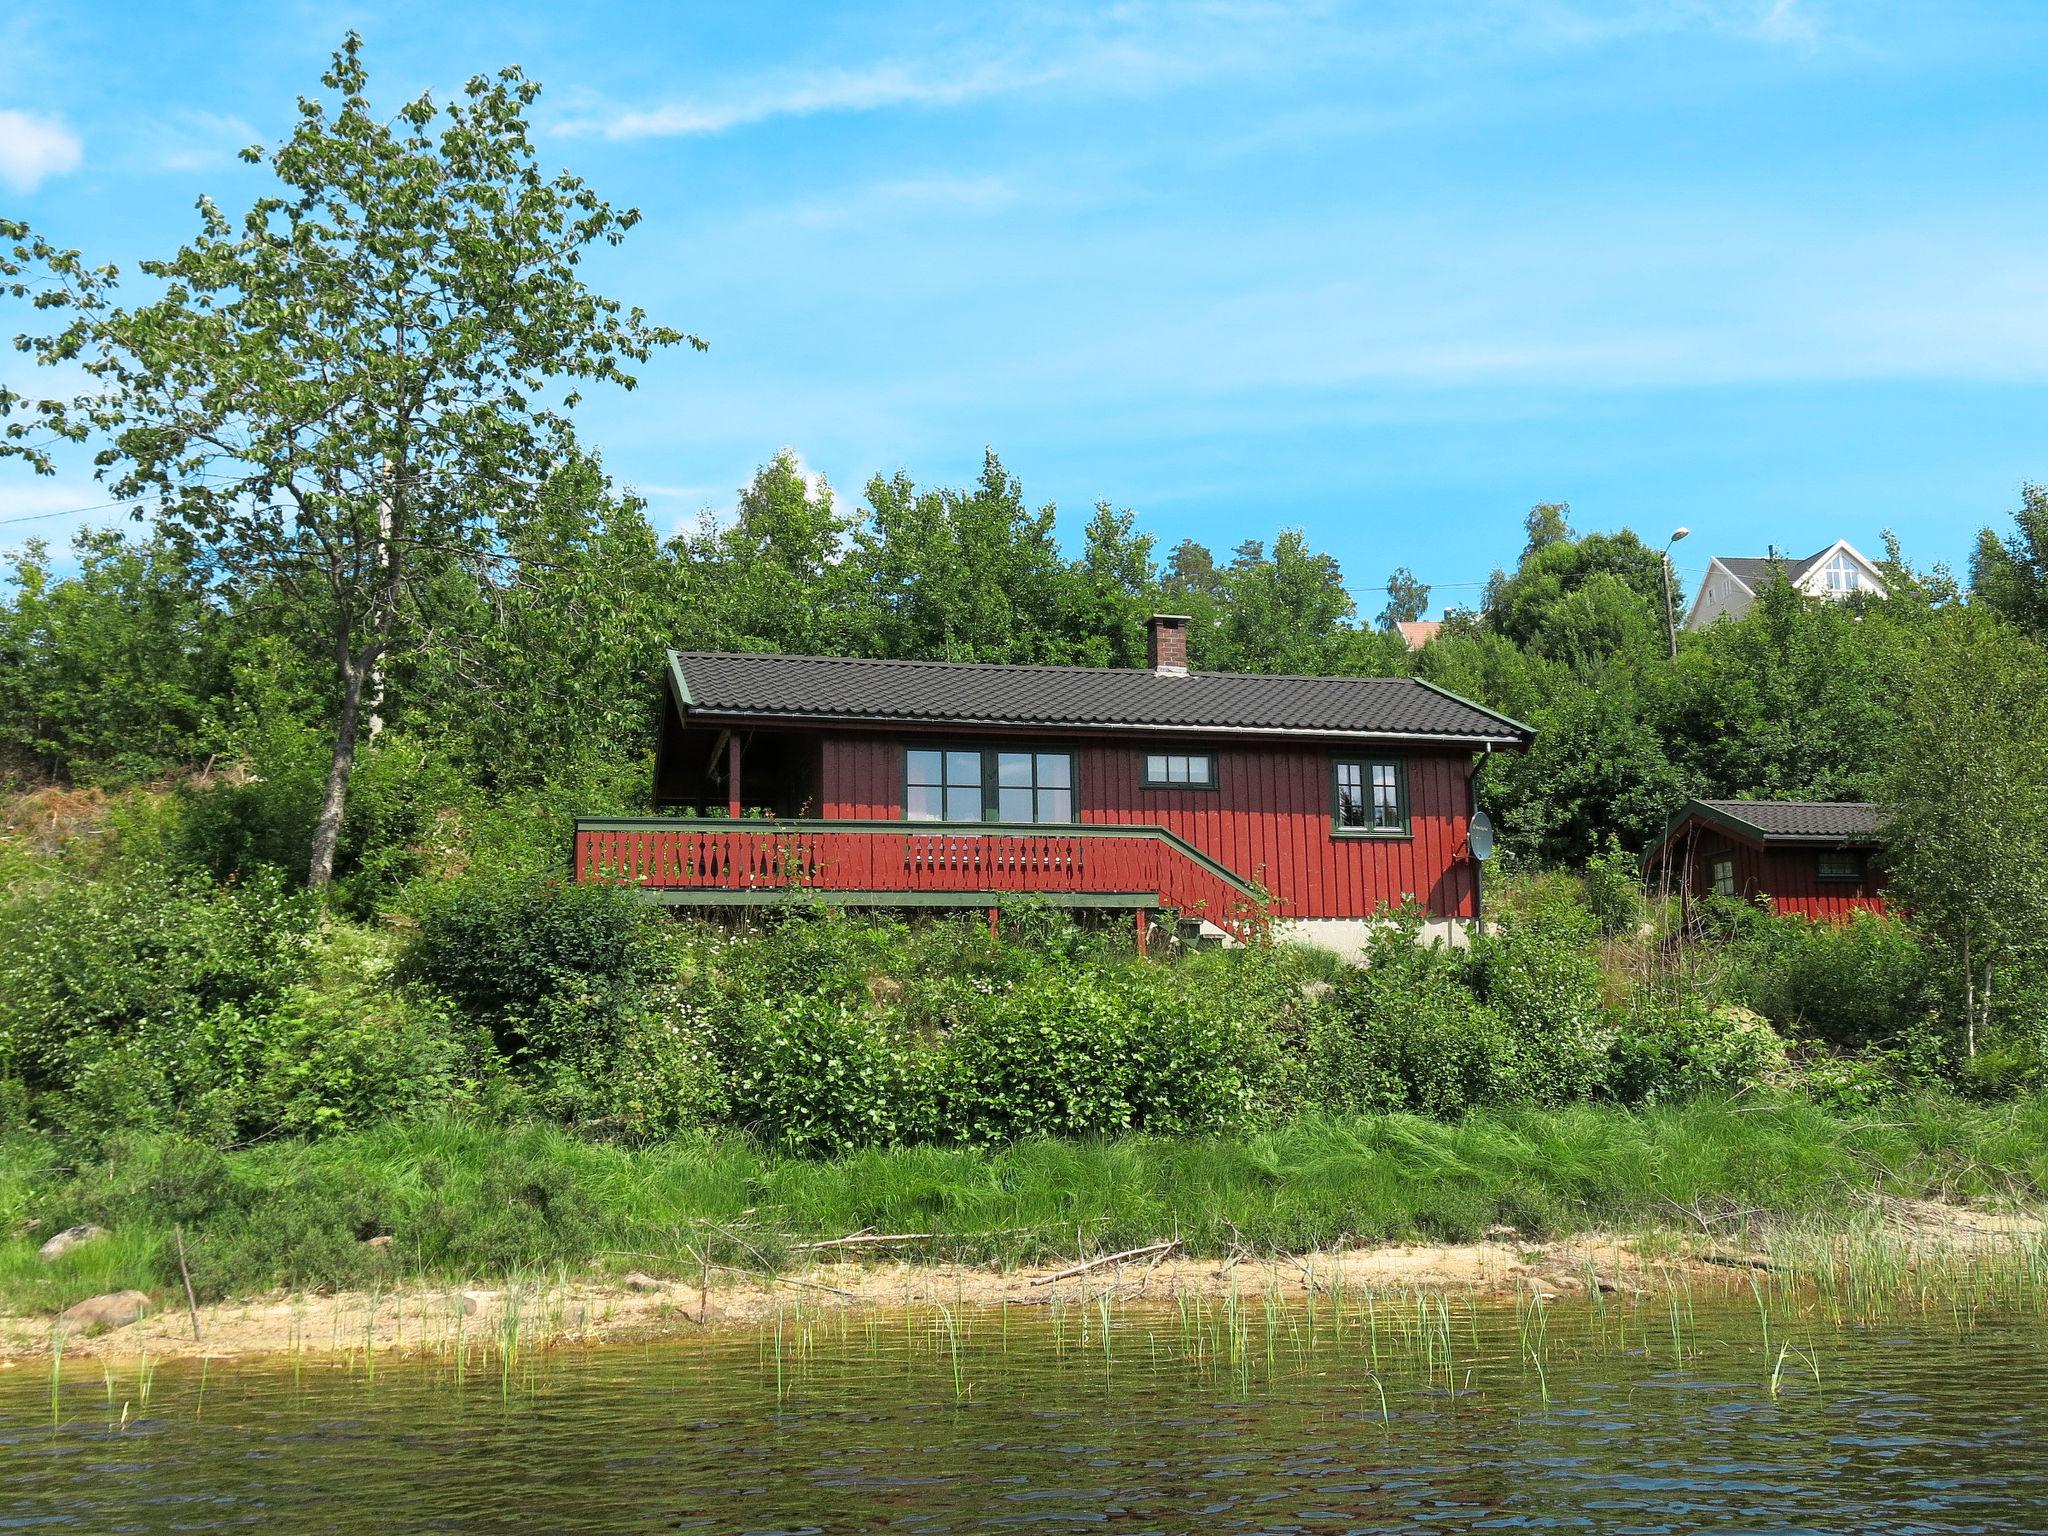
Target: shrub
[[1860, 983], [1542, 978], [546, 965], [820, 1074], [1679, 1050], [1613, 893], [1407, 1033], [1074, 1051], [115, 996]]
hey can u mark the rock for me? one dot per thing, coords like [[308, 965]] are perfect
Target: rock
[[379, 1242], [68, 1239], [640, 1281], [116, 1309]]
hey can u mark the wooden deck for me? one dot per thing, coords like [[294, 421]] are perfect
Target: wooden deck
[[718, 861]]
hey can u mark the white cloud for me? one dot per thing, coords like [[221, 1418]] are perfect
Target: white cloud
[[862, 90], [1137, 48], [33, 148]]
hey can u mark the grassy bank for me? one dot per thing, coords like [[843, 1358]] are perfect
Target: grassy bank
[[461, 1201]]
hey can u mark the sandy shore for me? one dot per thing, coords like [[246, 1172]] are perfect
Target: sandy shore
[[435, 1319]]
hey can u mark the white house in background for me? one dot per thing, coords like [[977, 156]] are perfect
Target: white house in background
[[1733, 581]]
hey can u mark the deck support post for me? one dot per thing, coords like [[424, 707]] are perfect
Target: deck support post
[[1144, 932], [995, 915], [732, 776]]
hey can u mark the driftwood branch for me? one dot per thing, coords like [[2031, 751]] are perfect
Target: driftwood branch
[[1108, 1258], [864, 1240], [185, 1270], [1736, 1261]]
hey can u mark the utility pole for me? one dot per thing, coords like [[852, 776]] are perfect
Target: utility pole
[[1671, 613]]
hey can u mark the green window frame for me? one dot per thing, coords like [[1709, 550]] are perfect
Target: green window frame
[[1369, 797], [1179, 770], [956, 784], [1839, 865]]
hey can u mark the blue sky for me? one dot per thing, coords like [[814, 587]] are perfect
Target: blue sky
[[1774, 269]]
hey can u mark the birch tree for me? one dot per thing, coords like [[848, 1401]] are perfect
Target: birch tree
[[360, 382], [1966, 802]]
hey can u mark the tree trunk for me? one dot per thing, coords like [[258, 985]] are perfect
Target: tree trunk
[[334, 799], [1969, 1001]]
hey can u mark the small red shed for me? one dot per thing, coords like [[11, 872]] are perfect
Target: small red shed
[[949, 784], [1820, 859]]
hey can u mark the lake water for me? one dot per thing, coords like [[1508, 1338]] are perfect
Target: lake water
[[1397, 1414]]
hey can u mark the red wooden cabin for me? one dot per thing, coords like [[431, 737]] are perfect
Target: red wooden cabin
[[1806, 858], [945, 784]]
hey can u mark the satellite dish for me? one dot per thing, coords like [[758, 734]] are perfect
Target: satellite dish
[[1480, 836]]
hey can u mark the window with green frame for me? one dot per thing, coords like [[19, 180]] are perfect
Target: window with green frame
[[1180, 770], [987, 784], [1370, 796]]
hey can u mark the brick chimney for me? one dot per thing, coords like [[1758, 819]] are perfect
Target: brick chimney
[[1166, 645]]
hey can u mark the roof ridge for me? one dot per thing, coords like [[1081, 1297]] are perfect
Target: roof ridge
[[1705, 801], [1069, 666]]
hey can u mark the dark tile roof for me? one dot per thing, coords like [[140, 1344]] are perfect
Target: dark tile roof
[[732, 685], [1845, 821], [1754, 570]]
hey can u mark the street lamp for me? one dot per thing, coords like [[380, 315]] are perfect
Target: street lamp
[[1670, 614]]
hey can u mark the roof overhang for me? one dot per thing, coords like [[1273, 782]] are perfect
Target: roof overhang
[[729, 718], [1516, 737]]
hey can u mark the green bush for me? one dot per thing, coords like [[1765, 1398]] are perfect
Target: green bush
[[1665, 1052], [1849, 985], [1542, 979], [116, 996], [821, 1074], [1072, 1051], [1614, 891], [1407, 1033], [548, 966]]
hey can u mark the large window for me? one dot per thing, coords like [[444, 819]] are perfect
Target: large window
[[1841, 574], [1180, 770], [1372, 795], [973, 784]]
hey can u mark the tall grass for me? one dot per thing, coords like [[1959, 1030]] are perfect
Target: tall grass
[[465, 1201]]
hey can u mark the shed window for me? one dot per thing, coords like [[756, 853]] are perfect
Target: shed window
[[1723, 871], [1180, 770], [1841, 866], [971, 784], [1372, 795]]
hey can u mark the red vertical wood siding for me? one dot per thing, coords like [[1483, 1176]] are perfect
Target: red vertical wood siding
[[1267, 820], [1788, 877]]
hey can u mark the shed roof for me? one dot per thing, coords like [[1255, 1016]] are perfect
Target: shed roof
[[1798, 821], [730, 685]]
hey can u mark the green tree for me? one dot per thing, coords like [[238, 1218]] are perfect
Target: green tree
[[972, 575], [1110, 591], [1788, 702], [1966, 804], [120, 667], [1581, 601], [776, 578], [2011, 574], [352, 388], [1407, 599]]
